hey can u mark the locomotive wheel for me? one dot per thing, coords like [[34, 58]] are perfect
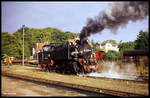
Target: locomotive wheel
[[42, 67], [82, 71], [47, 68]]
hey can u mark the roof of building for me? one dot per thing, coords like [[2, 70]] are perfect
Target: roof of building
[[136, 53]]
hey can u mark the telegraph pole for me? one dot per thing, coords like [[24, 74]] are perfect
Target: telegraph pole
[[23, 45]]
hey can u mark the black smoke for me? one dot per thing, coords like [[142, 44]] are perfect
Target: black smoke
[[118, 15]]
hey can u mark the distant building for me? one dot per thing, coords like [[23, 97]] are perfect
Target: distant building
[[135, 55], [37, 48], [108, 46]]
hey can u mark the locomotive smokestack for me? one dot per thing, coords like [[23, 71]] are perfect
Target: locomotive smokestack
[[118, 15]]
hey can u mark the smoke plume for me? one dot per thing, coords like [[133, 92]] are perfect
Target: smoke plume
[[118, 15]]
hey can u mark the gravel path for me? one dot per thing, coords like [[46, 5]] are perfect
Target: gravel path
[[16, 87]]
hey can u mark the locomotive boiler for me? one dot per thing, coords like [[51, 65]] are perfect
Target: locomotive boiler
[[69, 57]]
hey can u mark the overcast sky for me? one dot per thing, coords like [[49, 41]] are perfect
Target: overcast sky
[[66, 16]]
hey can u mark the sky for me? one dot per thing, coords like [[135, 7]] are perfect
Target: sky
[[66, 16]]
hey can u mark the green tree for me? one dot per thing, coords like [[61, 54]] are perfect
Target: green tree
[[93, 44], [110, 41], [142, 41], [124, 46], [10, 45], [111, 55], [27, 41], [99, 49]]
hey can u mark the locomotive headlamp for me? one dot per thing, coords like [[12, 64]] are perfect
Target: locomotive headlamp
[[49, 55], [84, 62]]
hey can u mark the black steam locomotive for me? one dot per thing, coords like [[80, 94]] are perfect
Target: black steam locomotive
[[69, 57]]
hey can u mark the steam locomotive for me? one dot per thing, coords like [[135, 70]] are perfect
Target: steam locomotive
[[69, 57]]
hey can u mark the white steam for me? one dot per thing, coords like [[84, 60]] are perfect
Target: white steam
[[113, 70]]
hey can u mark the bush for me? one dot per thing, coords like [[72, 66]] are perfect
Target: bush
[[111, 55]]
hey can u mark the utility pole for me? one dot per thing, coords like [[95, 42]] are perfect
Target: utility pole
[[23, 45]]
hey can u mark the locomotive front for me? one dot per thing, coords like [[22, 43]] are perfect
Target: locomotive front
[[85, 56]]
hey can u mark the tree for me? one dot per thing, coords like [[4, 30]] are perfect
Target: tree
[[34, 35], [93, 44], [110, 41], [111, 55], [99, 49], [10, 45], [27, 41], [142, 41], [124, 46]]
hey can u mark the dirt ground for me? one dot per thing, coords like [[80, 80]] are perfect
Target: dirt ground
[[15, 87], [139, 88]]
